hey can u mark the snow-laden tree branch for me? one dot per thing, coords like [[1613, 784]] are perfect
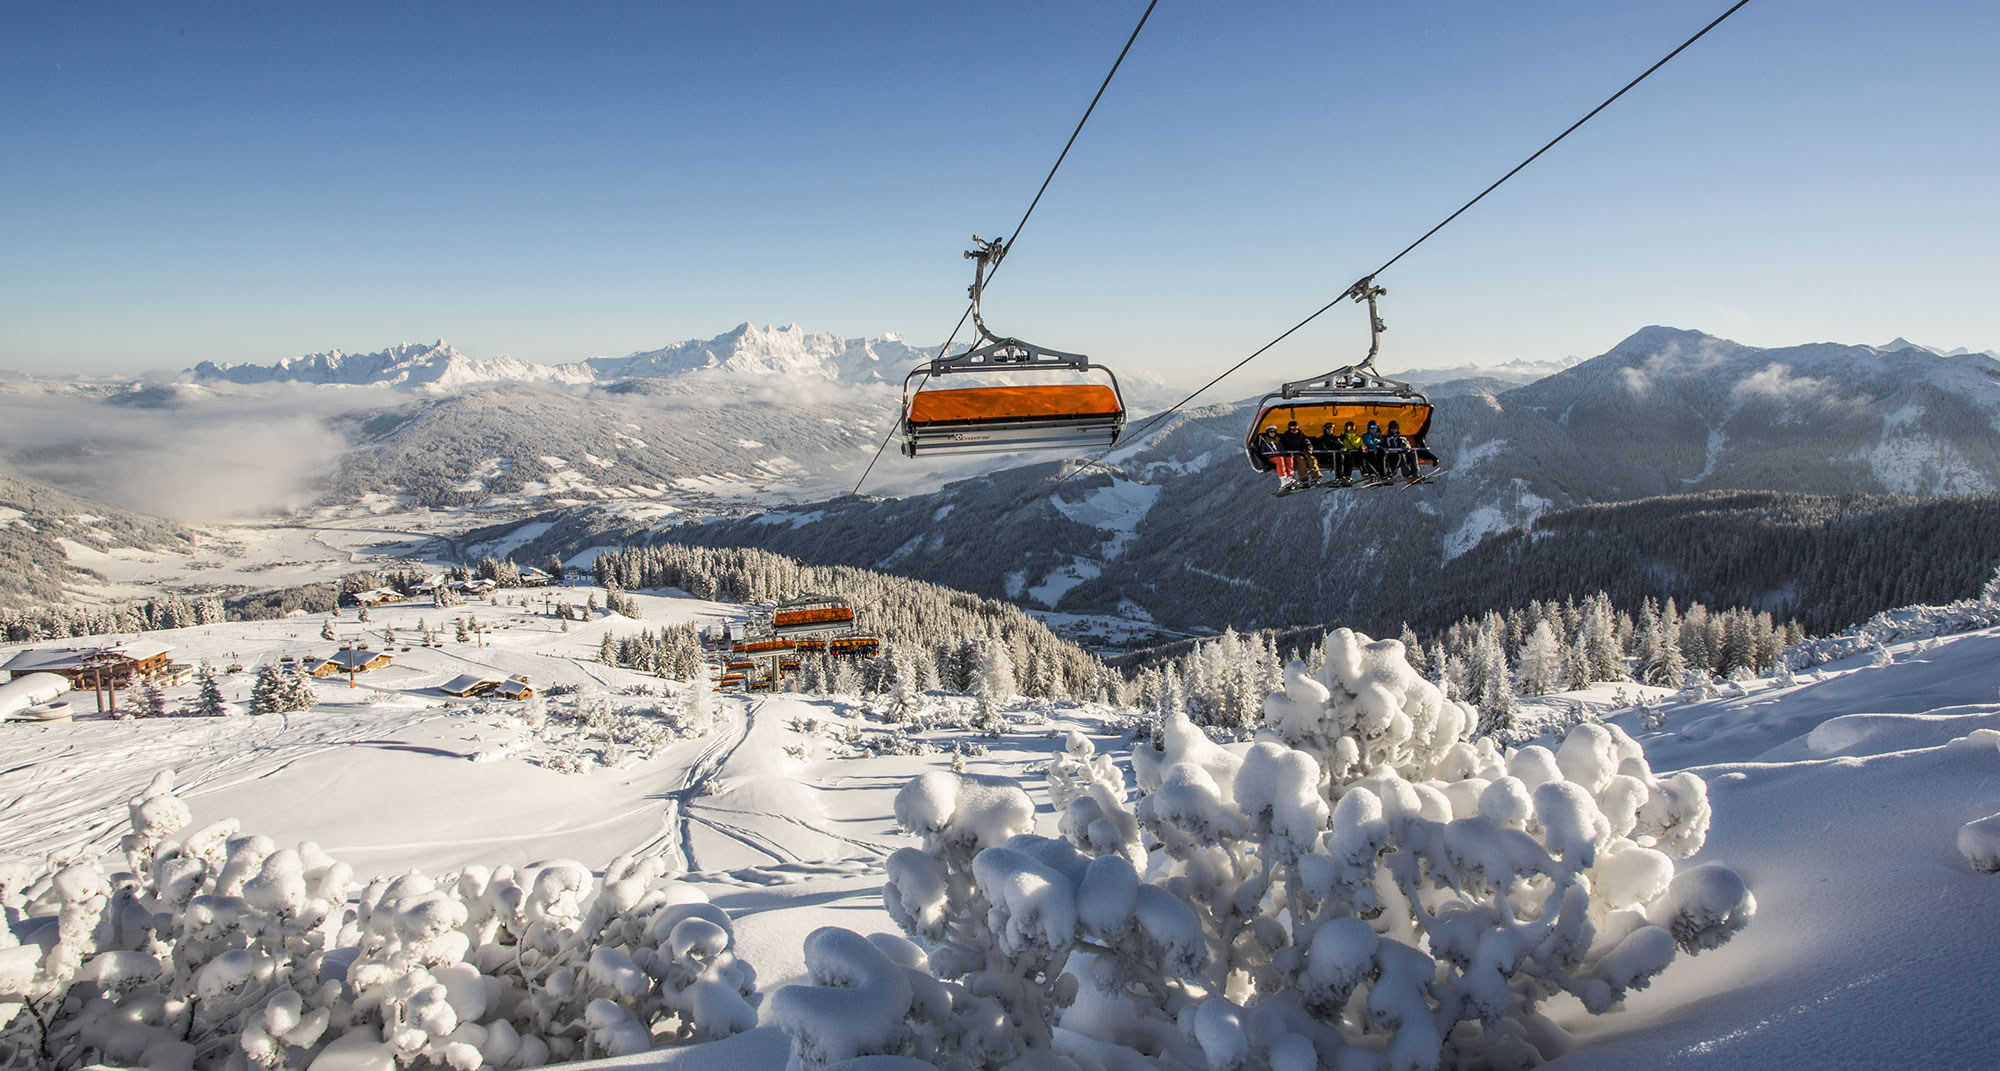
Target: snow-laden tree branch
[[219, 950]]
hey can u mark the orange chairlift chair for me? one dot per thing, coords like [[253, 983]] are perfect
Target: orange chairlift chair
[[1356, 392], [1010, 416], [811, 615]]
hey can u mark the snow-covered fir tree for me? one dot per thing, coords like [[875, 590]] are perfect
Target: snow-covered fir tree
[[208, 700], [1540, 667]]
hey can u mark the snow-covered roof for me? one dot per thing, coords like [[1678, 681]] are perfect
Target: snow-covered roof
[[70, 659], [516, 688], [359, 659], [467, 683]]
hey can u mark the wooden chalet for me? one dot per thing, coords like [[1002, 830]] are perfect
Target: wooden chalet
[[343, 661], [378, 597], [117, 663], [469, 685], [466, 685]]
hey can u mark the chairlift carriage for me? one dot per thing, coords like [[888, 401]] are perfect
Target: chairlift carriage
[[811, 615], [1008, 416], [1353, 393]]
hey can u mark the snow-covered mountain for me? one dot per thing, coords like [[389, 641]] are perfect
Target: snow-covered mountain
[[50, 538], [439, 368], [1902, 343], [768, 350], [435, 368]]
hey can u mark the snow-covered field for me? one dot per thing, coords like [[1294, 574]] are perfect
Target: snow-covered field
[[1839, 800]]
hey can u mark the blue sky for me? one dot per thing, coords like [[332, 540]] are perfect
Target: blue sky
[[244, 182]]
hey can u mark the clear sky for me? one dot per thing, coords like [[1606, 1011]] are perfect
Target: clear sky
[[250, 181]]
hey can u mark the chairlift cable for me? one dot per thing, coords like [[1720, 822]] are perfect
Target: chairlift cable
[[1360, 284], [1011, 239], [1153, 420], [1358, 287]]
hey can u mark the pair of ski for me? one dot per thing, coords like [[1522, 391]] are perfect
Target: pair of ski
[[1373, 481]]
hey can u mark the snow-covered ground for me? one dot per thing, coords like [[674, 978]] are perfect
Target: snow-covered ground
[[1839, 799]]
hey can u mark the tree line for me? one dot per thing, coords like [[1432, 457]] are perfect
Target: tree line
[[59, 622]]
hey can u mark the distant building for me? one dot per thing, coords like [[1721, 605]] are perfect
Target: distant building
[[377, 597], [467, 685], [341, 661], [480, 586], [118, 663], [535, 578]]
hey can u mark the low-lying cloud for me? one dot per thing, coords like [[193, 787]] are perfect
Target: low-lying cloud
[[203, 457]]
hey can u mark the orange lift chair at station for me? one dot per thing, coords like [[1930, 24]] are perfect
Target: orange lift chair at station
[[808, 624], [1025, 409], [811, 615], [1355, 393]]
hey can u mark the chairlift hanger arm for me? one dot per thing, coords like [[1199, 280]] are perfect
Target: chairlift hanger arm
[[1361, 376], [997, 350]]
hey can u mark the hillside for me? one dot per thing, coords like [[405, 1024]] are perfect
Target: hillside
[[48, 536], [1176, 531], [683, 441]]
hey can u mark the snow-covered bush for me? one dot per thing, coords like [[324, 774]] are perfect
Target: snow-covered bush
[[218, 950], [1365, 885], [1979, 842]]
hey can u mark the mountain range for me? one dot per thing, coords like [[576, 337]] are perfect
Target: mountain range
[[439, 368], [750, 432]]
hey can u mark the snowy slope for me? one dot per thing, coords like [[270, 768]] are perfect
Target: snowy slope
[[1838, 798]]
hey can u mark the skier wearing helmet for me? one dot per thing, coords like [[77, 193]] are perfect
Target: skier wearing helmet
[[1371, 441], [1398, 456], [1300, 448], [1353, 454], [1269, 449]]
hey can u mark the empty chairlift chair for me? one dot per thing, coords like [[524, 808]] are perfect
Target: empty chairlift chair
[[1028, 411], [1354, 393], [811, 615]]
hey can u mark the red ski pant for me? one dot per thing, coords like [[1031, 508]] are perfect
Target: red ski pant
[[1285, 464]]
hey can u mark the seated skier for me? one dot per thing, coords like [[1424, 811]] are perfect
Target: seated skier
[[1281, 462], [1294, 442], [1326, 448], [1399, 457], [1371, 441], [1353, 455]]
